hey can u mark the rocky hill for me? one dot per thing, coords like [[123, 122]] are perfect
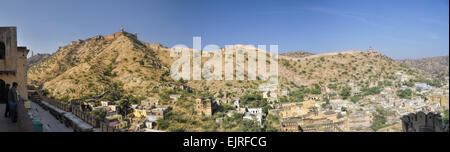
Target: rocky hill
[[121, 67], [438, 66], [335, 71], [91, 66]]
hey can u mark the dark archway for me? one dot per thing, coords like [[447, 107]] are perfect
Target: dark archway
[[2, 50]]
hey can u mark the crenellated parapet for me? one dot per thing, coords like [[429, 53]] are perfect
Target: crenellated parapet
[[421, 122], [120, 33]]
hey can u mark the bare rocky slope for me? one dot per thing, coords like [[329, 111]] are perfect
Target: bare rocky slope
[[438, 66]]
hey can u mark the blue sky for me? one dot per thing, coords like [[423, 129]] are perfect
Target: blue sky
[[398, 28]]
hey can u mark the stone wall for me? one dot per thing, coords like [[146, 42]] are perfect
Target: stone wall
[[421, 122], [122, 32], [8, 36], [205, 106]]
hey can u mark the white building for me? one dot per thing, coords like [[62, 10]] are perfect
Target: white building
[[104, 103], [254, 114], [254, 110], [422, 86], [253, 117]]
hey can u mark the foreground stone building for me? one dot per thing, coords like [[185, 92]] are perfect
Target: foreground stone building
[[13, 60], [13, 68]]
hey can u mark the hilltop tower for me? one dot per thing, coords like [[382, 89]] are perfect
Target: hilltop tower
[[120, 33], [370, 49]]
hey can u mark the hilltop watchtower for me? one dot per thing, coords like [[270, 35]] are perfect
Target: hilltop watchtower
[[120, 33], [370, 49]]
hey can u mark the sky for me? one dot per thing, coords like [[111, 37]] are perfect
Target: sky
[[401, 29]]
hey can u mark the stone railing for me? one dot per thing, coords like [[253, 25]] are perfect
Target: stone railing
[[67, 109], [24, 122]]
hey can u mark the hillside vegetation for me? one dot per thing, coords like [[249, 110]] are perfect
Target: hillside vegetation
[[124, 69]]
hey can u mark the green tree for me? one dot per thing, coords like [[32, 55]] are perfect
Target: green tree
[[434, 83], [99, 114], [404, 94], [332, 86], [162, 124], [356, 98], [345, 92], [371, 91], [410, 83], [253, 100], [296, 96], [316, 89], [133, 100], [283, 99], [224, 108], [388, 83], [45, 92], [379, 120], [339, 116], [125, 107]]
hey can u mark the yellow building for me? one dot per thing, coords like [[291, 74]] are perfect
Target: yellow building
[[13, 60], [296, 109], [120, 125], [441, 99], [115, 117]]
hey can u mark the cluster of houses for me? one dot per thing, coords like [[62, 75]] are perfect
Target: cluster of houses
[[309, 115], [208, 107], [360, 115], [350, 116], [144, 117], [146, 114]]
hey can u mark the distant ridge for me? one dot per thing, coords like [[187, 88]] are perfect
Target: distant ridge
[[36, 59], [297, 54], [438, 66]]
